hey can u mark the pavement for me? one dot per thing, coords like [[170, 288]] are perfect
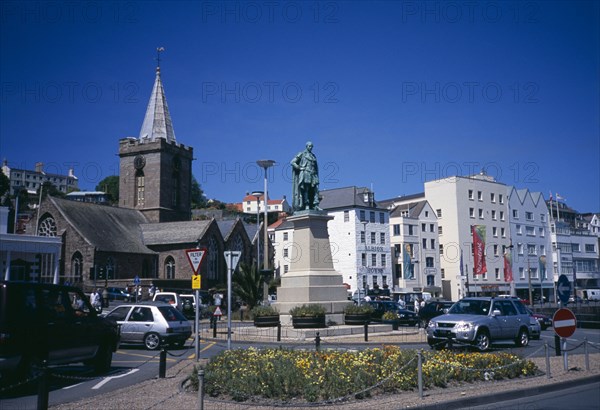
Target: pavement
[[171, 392]]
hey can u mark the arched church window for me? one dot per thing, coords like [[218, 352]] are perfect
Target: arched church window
[[76, 268], [170, 267], [47, 226], [140, 188]]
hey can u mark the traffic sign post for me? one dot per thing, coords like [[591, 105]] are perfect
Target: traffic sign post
[[564, 323], [232, 258], [563, 289], [195, 257]]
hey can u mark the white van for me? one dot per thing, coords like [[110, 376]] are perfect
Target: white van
[[589, 294]]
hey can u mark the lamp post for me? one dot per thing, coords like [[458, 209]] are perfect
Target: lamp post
[[257, 195], [266, 164]]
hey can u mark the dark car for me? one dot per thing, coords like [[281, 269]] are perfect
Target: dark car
[[544, 320], [118, 294], [53, 323], [406, 317], [433, 308]]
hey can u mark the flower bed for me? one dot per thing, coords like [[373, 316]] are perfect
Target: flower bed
[[312, 376]]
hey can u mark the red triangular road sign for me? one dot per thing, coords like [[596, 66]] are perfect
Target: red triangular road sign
[[218, 312], [195, 256]]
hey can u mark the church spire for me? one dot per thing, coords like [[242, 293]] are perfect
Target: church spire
[[157, 121]]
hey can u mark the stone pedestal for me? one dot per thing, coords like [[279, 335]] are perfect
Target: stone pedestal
[[311, 278]]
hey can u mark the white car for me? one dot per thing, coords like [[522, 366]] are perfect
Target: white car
[[152, 324]]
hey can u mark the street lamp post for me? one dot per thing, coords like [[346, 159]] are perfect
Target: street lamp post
[[257, 194], [266, 164]]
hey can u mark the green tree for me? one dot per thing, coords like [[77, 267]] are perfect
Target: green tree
[[48, 188], [4, 184], [198, 198], [248, 284], [110, 185]]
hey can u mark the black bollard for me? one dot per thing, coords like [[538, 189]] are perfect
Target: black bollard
[[162, 364], [43, 392], [317, 342], [279, 332], [214, 328], [557, 351], [366, 331]]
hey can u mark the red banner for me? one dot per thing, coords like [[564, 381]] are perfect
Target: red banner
[[508, 273], [478, 232]]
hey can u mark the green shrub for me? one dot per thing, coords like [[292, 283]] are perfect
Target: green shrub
[[308, 310], [259, 311], [359, 309]]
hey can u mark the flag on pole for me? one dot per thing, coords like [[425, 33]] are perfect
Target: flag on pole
[[560, 198], [478, 232], [508, 273]]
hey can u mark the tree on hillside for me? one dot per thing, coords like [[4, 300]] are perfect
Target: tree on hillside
[[198, 198], [248, 284], [4, 184], [110, 186]]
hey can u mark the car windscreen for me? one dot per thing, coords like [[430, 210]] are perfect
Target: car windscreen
[[171, 314], [119, 313], [471, 307]]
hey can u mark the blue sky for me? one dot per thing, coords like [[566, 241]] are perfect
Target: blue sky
[[392, 94]]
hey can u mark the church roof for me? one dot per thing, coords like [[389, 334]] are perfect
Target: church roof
[[167, 233], [107, 228], [157, 122]]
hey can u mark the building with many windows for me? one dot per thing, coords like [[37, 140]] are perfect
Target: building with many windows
[[414, 239], [461, 205], [31, 180], [531, 246]]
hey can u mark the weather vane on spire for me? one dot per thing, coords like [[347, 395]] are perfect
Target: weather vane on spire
[[158, 51]]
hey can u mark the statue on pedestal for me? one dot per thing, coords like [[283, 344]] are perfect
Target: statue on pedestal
[[305, 180]]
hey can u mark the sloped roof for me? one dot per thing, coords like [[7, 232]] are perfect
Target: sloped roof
[[167, 233], [226, 227], [414, 209], [107, 228], [348, 197], [251, 230], [387, 203]]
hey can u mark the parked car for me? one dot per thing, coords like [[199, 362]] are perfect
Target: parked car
[[53, 323], [535, 329], [481, 321], [118, 294], [172, 298], [152, 324], [188, 306], [433, 308], [544, 320], [407, 317]]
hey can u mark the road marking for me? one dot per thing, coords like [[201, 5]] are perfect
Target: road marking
[[208, 346], [71, 386], [564, 323], [107, 379]]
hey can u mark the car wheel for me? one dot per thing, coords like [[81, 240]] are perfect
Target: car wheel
[[103, 359], [482, 340], [152, 341], [523, 338]]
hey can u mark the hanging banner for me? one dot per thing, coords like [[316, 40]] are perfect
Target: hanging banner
[[478, 232], [508, 272], [407, 262]]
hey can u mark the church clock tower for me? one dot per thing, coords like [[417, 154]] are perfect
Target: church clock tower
[[155, 172]]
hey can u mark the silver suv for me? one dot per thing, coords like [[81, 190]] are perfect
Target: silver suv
[[480, 321]]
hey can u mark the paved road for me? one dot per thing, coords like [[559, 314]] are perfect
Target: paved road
[[586, 397]]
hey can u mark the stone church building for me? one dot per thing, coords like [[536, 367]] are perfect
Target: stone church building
[[148, 233]]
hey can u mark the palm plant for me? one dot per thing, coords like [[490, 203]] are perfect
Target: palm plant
[[248, 285]]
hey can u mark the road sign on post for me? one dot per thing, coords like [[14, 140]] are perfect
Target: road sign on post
[[564, 322], [232, 258], [563, 288], [195, 257]]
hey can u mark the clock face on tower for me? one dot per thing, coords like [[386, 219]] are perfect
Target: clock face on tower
[[139, 161]]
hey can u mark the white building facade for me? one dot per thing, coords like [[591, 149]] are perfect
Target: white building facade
[[461, 203], [531, 245]]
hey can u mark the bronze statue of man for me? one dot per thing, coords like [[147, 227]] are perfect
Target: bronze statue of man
[[305, 181]]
